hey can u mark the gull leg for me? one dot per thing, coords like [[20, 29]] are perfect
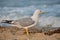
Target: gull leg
[[27, 32]]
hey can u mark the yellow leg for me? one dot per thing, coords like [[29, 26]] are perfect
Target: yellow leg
[[27, 32]]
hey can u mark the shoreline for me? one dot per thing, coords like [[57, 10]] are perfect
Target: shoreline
[[14, 33]]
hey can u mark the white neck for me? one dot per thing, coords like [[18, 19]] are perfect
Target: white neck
[[35, 16]]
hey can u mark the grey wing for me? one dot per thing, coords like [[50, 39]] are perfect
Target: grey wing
[[25, 22]]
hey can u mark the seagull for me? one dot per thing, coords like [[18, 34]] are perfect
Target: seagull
[[26, 22]]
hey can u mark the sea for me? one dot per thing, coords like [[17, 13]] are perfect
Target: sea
[[15, 9]]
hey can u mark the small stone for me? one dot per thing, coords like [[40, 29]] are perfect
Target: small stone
[[15, 39]]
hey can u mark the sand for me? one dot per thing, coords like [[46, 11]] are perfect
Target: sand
[[14, 33]]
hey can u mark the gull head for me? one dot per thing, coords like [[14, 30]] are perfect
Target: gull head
[[35, 16], [39, 12]]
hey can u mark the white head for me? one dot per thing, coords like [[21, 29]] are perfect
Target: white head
[[39, 12], [36, 13]]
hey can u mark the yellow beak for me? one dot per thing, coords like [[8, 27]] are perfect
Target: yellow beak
[[42, 12]]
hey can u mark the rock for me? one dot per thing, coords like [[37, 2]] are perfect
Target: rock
[[50, 32]]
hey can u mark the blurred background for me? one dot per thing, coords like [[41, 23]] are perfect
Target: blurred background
[[13, 9]]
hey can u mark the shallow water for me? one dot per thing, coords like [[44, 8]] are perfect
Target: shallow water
[[13, 9]]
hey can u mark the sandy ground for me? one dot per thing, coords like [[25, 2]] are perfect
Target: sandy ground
[[20, 34]]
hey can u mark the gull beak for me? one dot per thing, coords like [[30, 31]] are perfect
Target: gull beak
[[42, 12]]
